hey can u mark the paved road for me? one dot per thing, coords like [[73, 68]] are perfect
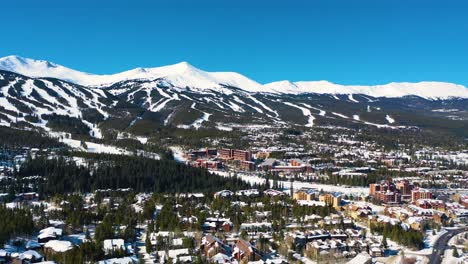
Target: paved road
[[441, 244]]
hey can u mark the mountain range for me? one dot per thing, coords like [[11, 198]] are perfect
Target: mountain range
[[37, 93], [185, 75]]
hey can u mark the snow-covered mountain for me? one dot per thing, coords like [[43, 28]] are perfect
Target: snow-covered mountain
[[41, 94], [428, 90], [184, 75], [181, 74], [147, 105]]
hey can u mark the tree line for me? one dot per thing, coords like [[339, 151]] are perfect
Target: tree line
[[397, 233], [105, 171], [14, 222]]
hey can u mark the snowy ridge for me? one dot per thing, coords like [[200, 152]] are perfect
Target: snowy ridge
[[185, 75], [181, 74], [428, 90], [23, 98]]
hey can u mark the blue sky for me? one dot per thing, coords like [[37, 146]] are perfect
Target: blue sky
[[347, 42]]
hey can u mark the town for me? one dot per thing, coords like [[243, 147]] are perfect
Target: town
[[346, 201], [234, 132]]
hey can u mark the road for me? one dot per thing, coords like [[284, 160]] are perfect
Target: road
[[441, 245]]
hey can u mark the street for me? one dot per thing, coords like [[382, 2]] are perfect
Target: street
[[441, 245]]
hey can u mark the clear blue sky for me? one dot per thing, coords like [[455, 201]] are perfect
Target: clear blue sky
[[347, 42]]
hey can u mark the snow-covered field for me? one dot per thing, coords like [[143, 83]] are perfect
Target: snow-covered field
[[92, 147]]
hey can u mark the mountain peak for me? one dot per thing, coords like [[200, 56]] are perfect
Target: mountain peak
[[183, 74], [183, 64], [14, 60], [180, 67]]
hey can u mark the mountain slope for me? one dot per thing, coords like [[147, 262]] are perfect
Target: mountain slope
[[184, 75], [143, 107], [181, 96], [52, 103], [181, 74]]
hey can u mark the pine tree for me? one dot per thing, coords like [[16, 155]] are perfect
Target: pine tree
[[148, 244], [87, 235], [384, 241]]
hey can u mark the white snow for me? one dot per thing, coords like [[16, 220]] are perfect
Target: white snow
[[178, 154], [340, 115], [321, 112], [350, 97], [389, 119], [428, 90], [185, 75], [197, 123], [59, 245], [159, 107], [356, 117], [262, 104], [235, 107], [305, 112], [181, 74], [223, 127], [252, 179]]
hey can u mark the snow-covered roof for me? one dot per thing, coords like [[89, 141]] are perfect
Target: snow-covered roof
[[361, 258], [30, 254], [124, 260], [112, 244], [220, 258], [50, 232], [59, 245]]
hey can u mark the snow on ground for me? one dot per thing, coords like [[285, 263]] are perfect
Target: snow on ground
[[453, 240], [321, 112], [252, 178], [458, 158], [377, 125], [197, 123], [223, 127], [160, 106], [95, 131], [235, 107], [390, 119], [237, 99], [340, 115], [430, 239], [178, 154], [143, 140], [450, 259], [448, 254], [147, 258], [350, 97], [185, 75], [262, 105], [92, 147], [306, 112], [445, 110]]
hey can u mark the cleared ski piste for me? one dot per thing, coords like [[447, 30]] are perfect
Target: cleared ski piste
[[92, 147]]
